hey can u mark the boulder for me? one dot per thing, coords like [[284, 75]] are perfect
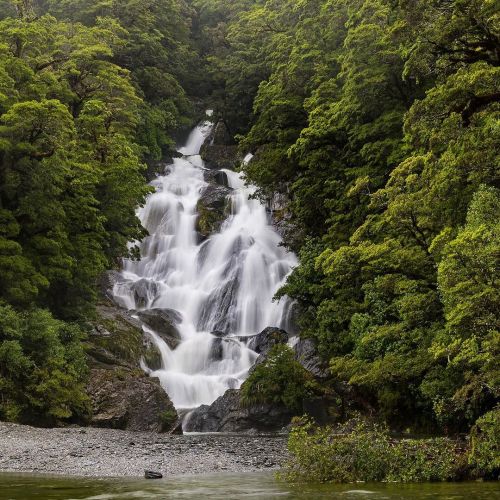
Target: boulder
[[163, 322], [267, 339], [128, 399], [117, 338], [226, 414], [144, 292], [213, 207]]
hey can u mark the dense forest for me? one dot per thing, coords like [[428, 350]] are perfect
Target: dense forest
[[375, 123]]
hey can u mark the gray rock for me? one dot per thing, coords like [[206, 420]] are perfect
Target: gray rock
[[164, 322], [307, 355], [124, 399], [149, 474], [219, 150], [107, 281], [216, 177], [144, 292], [226, 414], [264, 341]]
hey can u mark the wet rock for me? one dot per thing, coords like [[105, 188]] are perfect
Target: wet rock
[[143, 291], [218, 333], [163, 322], [227, 414], [213, 208], [152, 356], [127, 399], [306, 354], [149, 474], [217, 350], [216, 177], [117, 337], [106, 283], [264, 341], [219, 150]]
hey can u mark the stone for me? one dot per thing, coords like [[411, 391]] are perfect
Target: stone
[[226, 414], [264, 341], [149, 474], [107, 281], [213, 208], [144, 292], [117, 338], [163, 322], [127, 399], [219, 150], [216, 177], [306, 354]]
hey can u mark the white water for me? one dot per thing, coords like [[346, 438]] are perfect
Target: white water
[[224, 284]]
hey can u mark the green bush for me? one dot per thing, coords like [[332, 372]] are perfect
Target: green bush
[[42, 368], [362, 452], [484, 457], [280, 379]]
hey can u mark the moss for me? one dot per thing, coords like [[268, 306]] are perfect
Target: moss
[[125, 341], [209, 219], [152, 357], [168, 418]]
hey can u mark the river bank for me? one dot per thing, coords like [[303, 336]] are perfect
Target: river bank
[[94, 452]]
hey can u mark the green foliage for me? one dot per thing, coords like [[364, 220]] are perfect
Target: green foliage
[[85, 98], [485, 451], [42, 368], [362, 452], [168, 418], [280, 379], [378, 123]]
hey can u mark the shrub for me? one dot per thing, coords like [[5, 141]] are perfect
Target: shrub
[[42, 368], [362, 452], [280, 379], [484, 457]]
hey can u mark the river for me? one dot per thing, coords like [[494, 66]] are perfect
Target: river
[[229, 487]]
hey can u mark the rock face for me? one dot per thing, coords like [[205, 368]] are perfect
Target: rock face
[[130, 400], [106, 283], [164, 322], [213, 207], [307, 355], [226, 414], [219, 150], [122, 395], [216, 177]]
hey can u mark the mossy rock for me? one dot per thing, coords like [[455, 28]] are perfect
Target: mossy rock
[[213, 207]]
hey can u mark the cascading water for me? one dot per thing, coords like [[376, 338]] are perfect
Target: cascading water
[[224, 284]]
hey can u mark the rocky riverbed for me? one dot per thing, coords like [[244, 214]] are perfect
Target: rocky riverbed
[[93, 452]]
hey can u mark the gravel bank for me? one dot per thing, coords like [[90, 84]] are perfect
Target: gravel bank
[[92, 452]]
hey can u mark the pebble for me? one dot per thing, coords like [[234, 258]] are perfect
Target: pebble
[[93, 452]]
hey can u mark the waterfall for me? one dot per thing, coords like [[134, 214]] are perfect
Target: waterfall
[[224, 284]]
